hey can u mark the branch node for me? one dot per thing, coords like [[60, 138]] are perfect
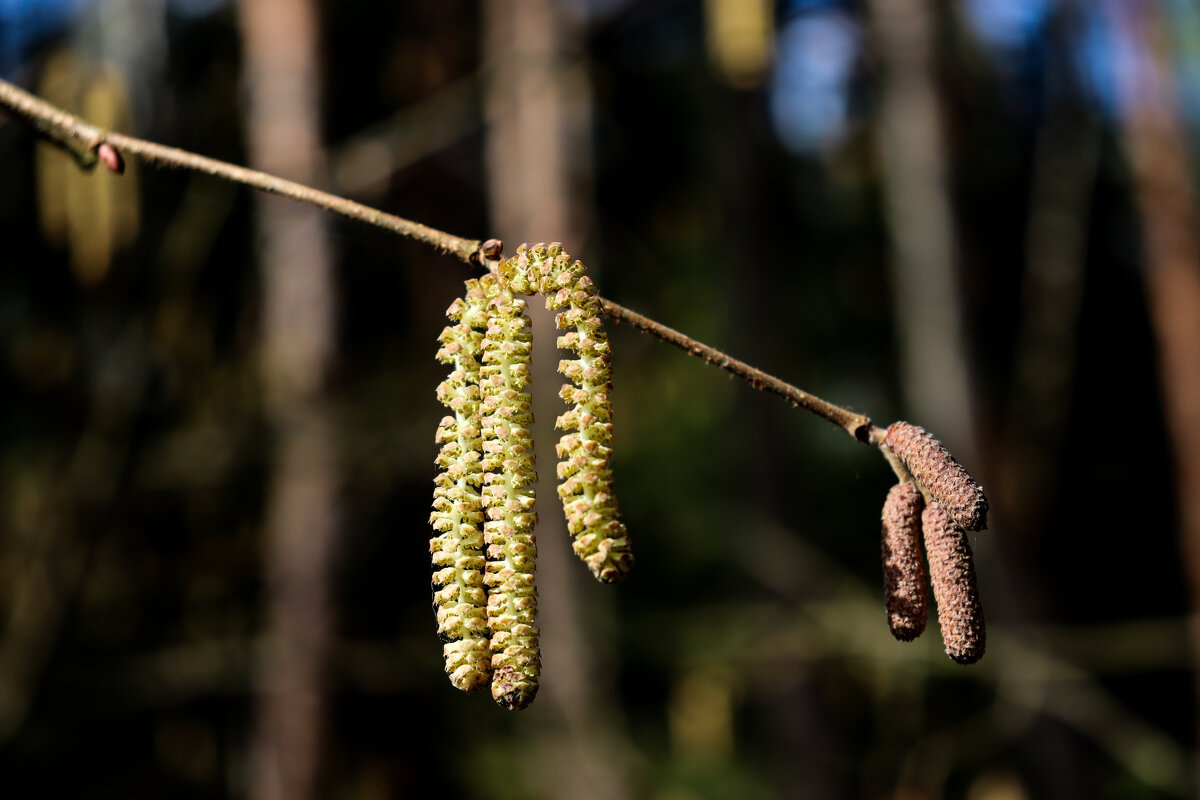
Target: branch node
[[863, 431]]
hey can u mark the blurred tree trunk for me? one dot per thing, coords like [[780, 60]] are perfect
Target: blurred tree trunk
[[280, 52], [1162, 174], [1031, 457], [538, 160], [934, 372]]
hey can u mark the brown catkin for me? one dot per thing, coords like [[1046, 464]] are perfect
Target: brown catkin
[[940, 474], [952, 573], [904, 576]]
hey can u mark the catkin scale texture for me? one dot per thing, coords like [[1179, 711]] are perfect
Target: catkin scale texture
[[904, 575], [940, 474], [585, 450], [508, 497], [952, 573], [459, 596]]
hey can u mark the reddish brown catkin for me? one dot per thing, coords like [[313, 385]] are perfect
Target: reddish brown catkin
[[940, 474], [904, 576], [952, 572]]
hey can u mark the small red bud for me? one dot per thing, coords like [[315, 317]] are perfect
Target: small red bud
[[109, 156]]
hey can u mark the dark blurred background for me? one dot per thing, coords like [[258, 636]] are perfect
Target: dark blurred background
[[218, 411]]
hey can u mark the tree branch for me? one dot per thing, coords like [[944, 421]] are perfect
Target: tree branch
[[857, 425], [82, 139]]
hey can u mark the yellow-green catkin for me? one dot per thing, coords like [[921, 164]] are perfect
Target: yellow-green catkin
[[459, 595], [508, 496], [585, 450]]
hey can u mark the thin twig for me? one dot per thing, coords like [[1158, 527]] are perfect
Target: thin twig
[[81, 139], [857, 425], [56, 126]]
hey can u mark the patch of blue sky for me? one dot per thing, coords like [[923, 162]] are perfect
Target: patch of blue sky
[[1013, 34], [1118, 68], [24, 22], [1115, 66], [809, 91], [1008, 24], [1096, 54]]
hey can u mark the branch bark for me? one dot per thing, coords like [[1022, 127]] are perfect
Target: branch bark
[[82, 139]]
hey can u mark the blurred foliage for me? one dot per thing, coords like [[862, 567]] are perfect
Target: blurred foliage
[[749, 653]]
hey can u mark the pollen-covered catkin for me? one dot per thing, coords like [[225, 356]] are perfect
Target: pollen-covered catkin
[[459, 596], [942, 476], [585, 450], [952, 573], [904, 576], [508, 495]]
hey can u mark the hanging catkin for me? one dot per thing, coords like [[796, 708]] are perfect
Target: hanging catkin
[[952, 573], [904, 576], [942, 476], [585, 450], [459, 598], [508, 494]]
